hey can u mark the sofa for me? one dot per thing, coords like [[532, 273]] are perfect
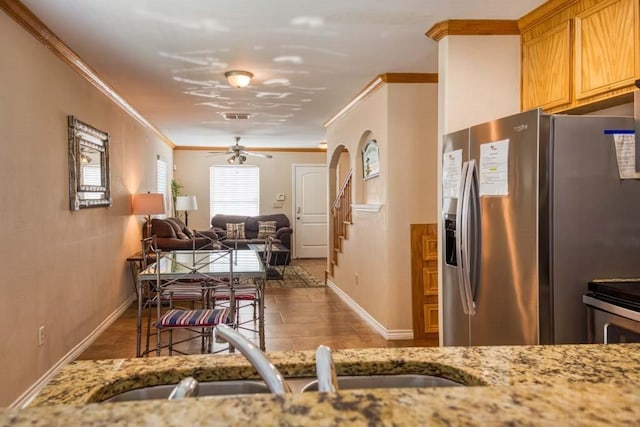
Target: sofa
[[255, 229], [173, 234]]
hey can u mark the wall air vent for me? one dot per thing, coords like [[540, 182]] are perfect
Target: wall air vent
[[235, 116]]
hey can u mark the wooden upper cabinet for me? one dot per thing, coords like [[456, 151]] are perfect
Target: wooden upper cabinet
[[546, 69], [606, 47], [580, 54]]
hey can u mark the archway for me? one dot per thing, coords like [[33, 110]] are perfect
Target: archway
[[340, 170]]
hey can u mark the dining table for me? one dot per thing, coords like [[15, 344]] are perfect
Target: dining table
[[239, 266]]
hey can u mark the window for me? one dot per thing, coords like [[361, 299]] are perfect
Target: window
[[161, 181], [234, 190]]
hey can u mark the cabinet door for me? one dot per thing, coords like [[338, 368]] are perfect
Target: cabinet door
[[424, 280], [606, 47], [546, 69]]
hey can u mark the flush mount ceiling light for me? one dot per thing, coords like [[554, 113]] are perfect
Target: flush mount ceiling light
[[238, 78]]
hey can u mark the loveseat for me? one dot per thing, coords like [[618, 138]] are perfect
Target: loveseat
[[255, 229], [172, 234]]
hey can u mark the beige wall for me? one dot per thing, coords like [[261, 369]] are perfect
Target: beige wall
[[192, 171], [374, 267], [479, 80], [362, 269], [61, 269]]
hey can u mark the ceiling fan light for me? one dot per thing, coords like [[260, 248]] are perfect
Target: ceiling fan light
[[231, 160], [238, 78]]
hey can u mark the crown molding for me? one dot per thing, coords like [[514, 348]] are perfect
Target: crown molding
[[473, 27], [377, 82], [543, 12], [23, 16], [409, 77], [272, 149]]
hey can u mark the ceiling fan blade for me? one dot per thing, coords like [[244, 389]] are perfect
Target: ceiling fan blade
[[249, 153], [220, 153]]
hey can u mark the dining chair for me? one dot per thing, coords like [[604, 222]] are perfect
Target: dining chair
[[184, 297], [196, 322], [245, 294]]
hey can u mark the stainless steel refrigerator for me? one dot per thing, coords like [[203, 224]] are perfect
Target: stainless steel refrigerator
[[533, 208]]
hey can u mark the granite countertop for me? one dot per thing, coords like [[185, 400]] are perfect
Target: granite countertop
[[535, 385]]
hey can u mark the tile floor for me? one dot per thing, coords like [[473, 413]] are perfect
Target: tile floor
[[295, 319]]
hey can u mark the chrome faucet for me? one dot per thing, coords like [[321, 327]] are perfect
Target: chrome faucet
[[269, 373], [326, 370], [188, 387]]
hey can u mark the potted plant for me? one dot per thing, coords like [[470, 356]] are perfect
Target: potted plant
[[176, 190]]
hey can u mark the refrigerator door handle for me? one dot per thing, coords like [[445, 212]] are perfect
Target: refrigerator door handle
[[461, 234], [468, 214], [474, 233]]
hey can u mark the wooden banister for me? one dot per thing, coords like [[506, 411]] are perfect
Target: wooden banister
[[341, 214]]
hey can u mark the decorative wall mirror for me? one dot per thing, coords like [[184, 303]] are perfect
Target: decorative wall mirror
[[89, 185]]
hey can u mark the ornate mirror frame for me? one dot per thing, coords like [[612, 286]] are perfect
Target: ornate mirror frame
[[89, 183]]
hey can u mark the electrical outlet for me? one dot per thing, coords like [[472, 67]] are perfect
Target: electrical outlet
[[41, 335]]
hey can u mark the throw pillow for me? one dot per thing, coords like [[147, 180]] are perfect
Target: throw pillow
[[235, 231], [162, 228], [177, 229], [266, 229]]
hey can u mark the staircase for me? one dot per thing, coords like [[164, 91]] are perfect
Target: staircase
[[342, 218]]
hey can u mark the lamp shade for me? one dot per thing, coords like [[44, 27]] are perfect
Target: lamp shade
[[238, 78], [148, 204], [186, 203]]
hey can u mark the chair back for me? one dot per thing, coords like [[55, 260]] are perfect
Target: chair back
[[149, 250], [268, 251]]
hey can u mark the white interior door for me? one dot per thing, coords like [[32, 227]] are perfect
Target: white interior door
[[310, 208]]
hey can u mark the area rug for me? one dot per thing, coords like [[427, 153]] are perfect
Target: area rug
[[295, 276]]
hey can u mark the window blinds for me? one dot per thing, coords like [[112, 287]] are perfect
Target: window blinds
[[234, 190], [162, 181]]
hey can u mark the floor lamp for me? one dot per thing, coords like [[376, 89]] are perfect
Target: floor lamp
[[186, 204], [148, 204]]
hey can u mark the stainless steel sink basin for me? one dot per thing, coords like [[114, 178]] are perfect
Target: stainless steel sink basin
[[386, 381], [212, 388], [239, 387]]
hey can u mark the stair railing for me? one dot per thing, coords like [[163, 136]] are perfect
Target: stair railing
[[342, 216]]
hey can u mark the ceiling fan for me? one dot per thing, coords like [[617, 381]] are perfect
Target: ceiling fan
[[238, 153]]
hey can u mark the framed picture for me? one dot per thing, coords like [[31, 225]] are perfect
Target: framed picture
[[370, 160]]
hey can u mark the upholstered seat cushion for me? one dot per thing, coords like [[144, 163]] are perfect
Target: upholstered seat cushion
[[204, 318]]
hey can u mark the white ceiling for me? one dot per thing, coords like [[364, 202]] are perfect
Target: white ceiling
[[167, 57]]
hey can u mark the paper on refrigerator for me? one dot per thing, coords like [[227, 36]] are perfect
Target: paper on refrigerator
[[451, 170], [625, 144], [494, 168]]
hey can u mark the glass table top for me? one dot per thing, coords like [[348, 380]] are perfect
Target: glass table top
[[241, 262]]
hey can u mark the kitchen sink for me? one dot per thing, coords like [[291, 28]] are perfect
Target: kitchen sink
[[386, 381], [211, 388], [239, 387]]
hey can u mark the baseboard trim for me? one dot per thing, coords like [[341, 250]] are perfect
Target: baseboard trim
[[388, 334], [76, 351]]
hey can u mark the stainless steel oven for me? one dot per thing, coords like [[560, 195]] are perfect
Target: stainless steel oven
[[613, 309]]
